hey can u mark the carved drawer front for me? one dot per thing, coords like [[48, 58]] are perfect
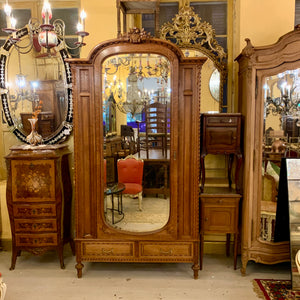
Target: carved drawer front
[[222, 121], [34, 211], [225, 138], [27, 225], [113, 249], [33, 180], [36, 240], [183, 250]]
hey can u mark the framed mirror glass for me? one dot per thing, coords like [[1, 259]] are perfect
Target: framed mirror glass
[[36, 82], [280, 139], [136, 124]]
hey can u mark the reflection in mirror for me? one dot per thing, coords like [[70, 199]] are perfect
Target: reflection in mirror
[[136, 127], [197, 38], [211, 79], [36, 85], [280, 139]]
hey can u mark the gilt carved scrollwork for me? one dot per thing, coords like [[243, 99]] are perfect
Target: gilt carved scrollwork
[[189, 31]]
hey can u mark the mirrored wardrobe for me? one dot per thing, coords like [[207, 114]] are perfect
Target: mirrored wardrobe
[[269, 82], [136, 119]]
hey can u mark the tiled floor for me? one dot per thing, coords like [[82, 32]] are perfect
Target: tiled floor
[[40, 277]]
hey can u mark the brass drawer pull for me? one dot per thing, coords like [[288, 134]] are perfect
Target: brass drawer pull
[[107, 251], [220, 201], [206, 219], [170, 252]]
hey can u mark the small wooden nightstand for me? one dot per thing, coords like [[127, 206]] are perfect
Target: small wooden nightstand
[[219, 213], [221, 134]]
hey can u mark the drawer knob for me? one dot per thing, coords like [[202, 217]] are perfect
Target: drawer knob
[[34, 211], [206, 219], [220, 201]]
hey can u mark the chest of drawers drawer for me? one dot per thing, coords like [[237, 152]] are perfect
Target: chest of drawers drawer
[[36, 240], [31, 225], [152, 249], [108, 250], [34, 210]]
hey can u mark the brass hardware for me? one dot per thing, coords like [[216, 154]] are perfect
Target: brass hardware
[[206, 219], [220, 201]]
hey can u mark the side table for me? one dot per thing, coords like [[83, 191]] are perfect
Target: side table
[[219, 213]]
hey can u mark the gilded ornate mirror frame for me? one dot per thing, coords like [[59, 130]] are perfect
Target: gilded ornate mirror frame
[[189, 32], [65, 128]]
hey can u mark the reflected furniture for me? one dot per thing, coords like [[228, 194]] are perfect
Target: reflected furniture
[[219, 214], [98, 241], [256, 65], [130, 173], [156, 129], [221, 134], [115, 190], [39, 199], [137, 7]]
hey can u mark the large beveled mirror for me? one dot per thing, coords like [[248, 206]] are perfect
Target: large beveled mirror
[[136, 124], [280, 139], [38, 82]]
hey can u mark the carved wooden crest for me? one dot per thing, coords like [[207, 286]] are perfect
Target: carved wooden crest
[[136, 35]]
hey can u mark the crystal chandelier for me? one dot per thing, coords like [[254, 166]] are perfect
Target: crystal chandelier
[[282, 95], [141, 69], [44, 35]]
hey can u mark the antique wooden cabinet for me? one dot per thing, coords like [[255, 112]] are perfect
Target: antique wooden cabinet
[[219, 213], [268, 95], [177, 240], [221, 134], [39, 195]]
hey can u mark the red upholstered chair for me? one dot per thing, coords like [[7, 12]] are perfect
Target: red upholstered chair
[[130, 173]]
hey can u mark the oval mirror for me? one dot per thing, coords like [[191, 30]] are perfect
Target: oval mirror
[[136, 122], [36, 82]]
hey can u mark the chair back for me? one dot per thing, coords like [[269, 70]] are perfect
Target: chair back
[[130, 170]]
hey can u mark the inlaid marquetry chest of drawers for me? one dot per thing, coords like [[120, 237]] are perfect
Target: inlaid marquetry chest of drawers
[[39, 197]]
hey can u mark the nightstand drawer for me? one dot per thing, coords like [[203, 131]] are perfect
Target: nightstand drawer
[[35, 211], [220, 201], [114, 249], [31, 225], [166, 249], [222, 121], [36, 240]]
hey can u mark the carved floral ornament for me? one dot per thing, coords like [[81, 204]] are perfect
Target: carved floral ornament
[[188, 31]]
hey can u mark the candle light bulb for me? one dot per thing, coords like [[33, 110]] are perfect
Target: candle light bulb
[[79, 27], [13, 22], [82, 18], [7, 10], [46, 12]]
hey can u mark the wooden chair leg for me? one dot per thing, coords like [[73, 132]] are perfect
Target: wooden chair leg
[[140, 196]]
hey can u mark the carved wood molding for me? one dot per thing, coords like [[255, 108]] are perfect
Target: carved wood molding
[[136, 35]]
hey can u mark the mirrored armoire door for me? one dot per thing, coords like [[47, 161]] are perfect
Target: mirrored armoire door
[[136, 109], [269, 101]]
